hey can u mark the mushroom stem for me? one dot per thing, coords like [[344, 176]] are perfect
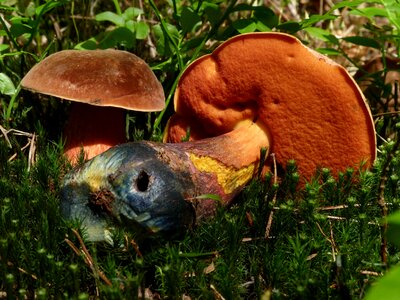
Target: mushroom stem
[[162, 186], [93, 128], [220, 165]]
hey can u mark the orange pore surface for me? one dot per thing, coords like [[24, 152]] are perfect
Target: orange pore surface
[[311, 107]]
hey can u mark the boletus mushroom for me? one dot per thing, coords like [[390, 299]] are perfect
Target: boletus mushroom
[[101, 84], [259, 90]]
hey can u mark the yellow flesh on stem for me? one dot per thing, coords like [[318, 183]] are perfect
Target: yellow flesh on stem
[[233, 158], [229, 178]]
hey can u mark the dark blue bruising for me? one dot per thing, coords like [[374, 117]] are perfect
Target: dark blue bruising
[[162, 198], [157, 205]]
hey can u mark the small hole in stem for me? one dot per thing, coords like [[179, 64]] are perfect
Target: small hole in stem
[[142, 181]]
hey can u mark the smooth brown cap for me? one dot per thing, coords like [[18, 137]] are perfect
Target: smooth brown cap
[[312, 109], [99, 77]]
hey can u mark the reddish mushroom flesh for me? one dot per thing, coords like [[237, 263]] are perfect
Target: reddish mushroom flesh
[[101, 83]]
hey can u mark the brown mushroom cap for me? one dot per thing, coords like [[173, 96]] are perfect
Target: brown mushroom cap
[[108, 79], [310, 107], [99, 77]]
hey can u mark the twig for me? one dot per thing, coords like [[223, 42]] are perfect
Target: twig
[[56, 27], [271, 214], [33, 276], [329, 239], [32, 151], [207, 270], [371, 273], [336, 218], [342, 206], [387, 113], [87, 257], [5, 134], [31, 143], [311, 256], [217, 294], [249, 239], [334, 247], [136, 247]]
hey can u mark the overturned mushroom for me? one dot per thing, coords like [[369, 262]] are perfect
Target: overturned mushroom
[[262, 90], [101, 84]]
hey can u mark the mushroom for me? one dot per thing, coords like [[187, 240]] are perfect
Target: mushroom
[[309, 107], [259, 90], [101, 84]]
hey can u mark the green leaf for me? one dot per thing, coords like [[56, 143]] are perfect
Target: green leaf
[[131, 25], [142, 30], [351, 4], [19, 19], [6, 7], [261, 26], [393, 10], [30, 10], [132, 12], [45, 8], [289, 26], [4, 47], [369, 12], [18, 29], [189, 19], [328, 51], [317, 18], [163, 43], [192, 43], [387, 287], [90, 44], [322, 34], [6, 85], [212, 12], [120, 36], [362, 41], [110, 17], [244, 25], [243, 7], [266, 16]]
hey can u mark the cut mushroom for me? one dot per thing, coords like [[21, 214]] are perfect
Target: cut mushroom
[[102, 83], [260, 90]]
